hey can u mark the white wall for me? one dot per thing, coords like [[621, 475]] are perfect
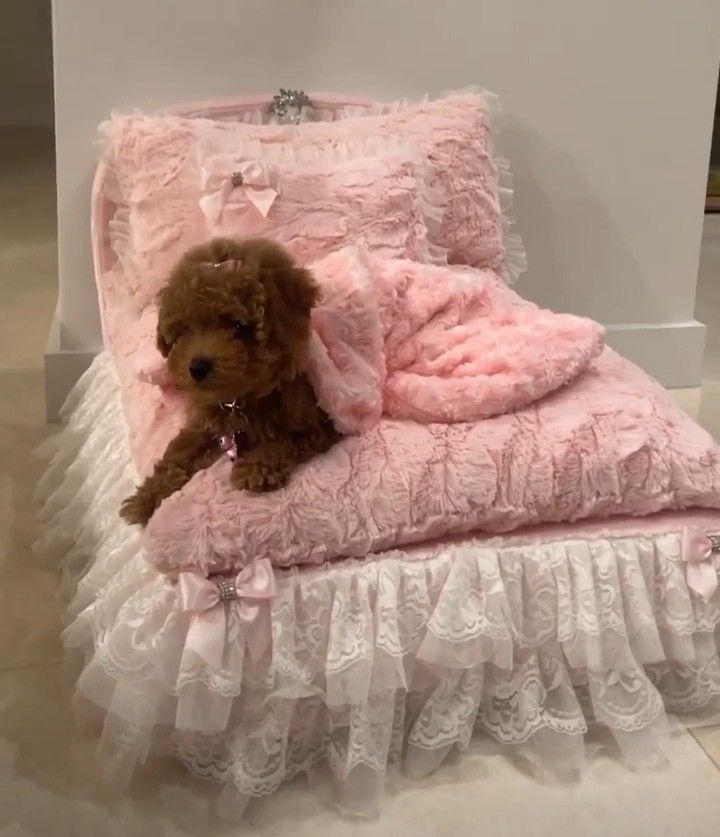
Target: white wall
[[609, 107], [25, 63]]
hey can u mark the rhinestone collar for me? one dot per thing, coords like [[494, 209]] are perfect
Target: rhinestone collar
[[233, 441], [232, 408]]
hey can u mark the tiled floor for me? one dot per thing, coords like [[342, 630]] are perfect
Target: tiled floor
[[48, 779]]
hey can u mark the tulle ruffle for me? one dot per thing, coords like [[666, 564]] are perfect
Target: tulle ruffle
[[89, 473], [395, 660]]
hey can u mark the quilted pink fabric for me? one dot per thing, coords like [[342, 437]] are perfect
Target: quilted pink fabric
[[611, 443], [408, 340]]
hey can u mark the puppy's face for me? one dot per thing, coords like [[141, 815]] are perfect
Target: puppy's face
[[234, 320]]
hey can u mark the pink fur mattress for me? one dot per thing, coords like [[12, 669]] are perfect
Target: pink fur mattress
[[611, 443]]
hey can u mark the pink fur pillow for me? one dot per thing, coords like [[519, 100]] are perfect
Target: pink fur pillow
[[453, 137], [173, 187], [165, 180], [315, 202]]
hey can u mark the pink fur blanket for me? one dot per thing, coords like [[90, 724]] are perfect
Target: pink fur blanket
[[432, 344], [408, 340]]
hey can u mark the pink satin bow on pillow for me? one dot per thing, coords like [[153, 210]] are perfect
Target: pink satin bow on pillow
[[259, 182], [701, 554], [254, 179], [252, 589]]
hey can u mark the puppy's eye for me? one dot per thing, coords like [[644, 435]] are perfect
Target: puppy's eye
[[245, 331]]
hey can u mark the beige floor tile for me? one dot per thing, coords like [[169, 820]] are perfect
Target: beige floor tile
[[28, 283], [30, 617], [28, 602], [709, 739], [22, 338]]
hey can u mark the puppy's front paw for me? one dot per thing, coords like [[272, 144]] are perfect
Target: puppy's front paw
[[138, 508], [258, 476]]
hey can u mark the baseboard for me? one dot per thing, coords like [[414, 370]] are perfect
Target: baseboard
[[63, 368], [670, 352]]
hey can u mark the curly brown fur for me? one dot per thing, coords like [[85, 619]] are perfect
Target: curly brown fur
[[234, 325]]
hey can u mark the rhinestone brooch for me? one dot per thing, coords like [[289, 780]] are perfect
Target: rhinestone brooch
[[227, 590], [287, 105]]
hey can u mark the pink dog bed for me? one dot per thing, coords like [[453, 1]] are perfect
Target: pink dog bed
[[398, 657]]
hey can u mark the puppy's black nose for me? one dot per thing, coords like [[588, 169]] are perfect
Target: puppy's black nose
[[200, 368]]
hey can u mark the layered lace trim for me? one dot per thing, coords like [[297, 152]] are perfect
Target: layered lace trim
[[89, 473], [374, 663]]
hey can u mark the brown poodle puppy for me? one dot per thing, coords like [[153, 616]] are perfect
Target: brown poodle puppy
[[234, 325]]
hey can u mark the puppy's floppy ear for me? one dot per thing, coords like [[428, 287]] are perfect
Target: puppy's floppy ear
[[291, 293], [299, 290]]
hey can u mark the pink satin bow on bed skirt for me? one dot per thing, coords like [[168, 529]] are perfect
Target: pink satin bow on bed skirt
[[702, 559], [252, 591]]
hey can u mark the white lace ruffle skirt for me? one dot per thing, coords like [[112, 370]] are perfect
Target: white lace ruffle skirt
[[393, 660]]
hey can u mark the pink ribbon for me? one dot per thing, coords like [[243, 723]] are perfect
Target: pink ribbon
[[703, 563], [253, 588], [258, 182], [254, 178]]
